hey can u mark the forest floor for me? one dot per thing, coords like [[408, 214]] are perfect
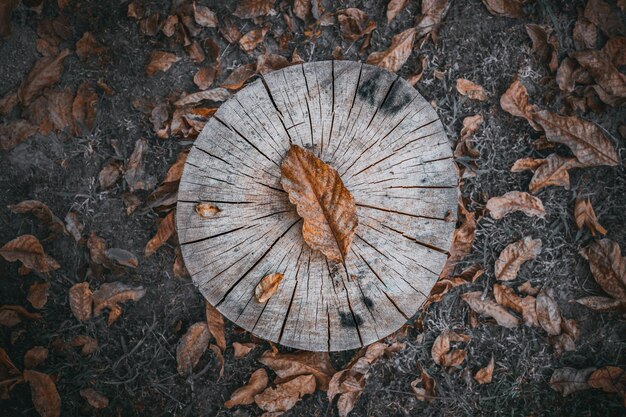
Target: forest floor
[[134, 364]]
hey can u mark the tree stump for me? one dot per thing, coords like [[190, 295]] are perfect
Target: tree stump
[[389, 148]]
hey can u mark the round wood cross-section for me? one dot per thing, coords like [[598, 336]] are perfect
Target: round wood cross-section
[[389, 148]]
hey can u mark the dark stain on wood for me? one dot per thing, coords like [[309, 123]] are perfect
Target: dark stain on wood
[[396, 99], [347, 320], [368, 302], [367, 90]]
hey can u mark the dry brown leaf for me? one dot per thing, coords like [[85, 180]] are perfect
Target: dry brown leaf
[[215, 321], [245, 395], [462, 241], [191, 347], [569, 380], [615, 50], [160, 61], [548, 313], [545, 44], [322, 200], [111, 293], [354, 24], [608, 379], [94, 398], [206, 210], [215, 94], [73, 225], [567, 74], [87, 46], [394, 7], [472, 90], [441, 353], [586, 140], [242, 349], [526, 306], [267, 63], [484, 375], [179, 269], [514, 255], [175, 171], [110, 173], [169, 26], [585, 34], [204, 77], [302, 9], [42, 212], [490, 308], [84, 108], [429, 22], [285, 395], [239, 76], [515, 201], [528, 289], [122, 257], [28, 250], [81, 301], [428, 389], [46, 72], [268, 285], [149, 26], [252, 39], [134, 173], [165, 230], [15, 132], [88, 345], [506, 8], [417, 75], [604, 17], [471, 125], [585, 215], [38, 294], [601, 304], [515, 101], [608, 267], [395, 57], [525, 164], [289, 365], [553, 172], [204, 16], [600, 67], [35, 356], [249, 9], [220, 357], [44, 393]]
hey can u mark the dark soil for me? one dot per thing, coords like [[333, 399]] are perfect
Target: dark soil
[[135, 364]]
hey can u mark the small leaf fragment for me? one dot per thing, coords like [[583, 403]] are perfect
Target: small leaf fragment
[[470, 89], [215, 321], [484, 375], [94, 398], [206, 210], [35, 356], [81, 301]]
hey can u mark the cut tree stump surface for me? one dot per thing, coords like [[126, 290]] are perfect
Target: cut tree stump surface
[[389, 147]]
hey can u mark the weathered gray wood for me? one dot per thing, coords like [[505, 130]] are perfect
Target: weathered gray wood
[[391, 151]]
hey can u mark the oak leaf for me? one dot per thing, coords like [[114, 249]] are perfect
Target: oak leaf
[[46, 72], [397, 54], [608, 267], [569, 380], [267, 287], [490, 308], [285, 395], [514, 255], [191, 347], [553, 172], [35, 356], [165, 230], [289, 365], [322, 200], [81, 301], [160, 61], [42, 212], [44, 392], [484, 375], [515, 201], [471, 89], [215, 321], [548, 313], [585, 215], [245, 395], [28, 250], [506, 8], [94, 398]]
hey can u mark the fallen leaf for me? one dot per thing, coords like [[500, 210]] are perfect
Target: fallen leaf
[[44, 393], [15, 132], [601, 304], [215, 94], [204, 16], [220, 358], [88, 345], [432, 14], [567, 74], [42, 212], [94, 398], [585, 215], [84, 108], [285, 395], [229, 31], [397, 54], [35, 356], [73, 225], [515, 101], [302, 9], [242, 349], [7, 363], [215, 321], [608, 267], [515, 201], [490, 308], [462, 240], [160, 61], [441, 353], [245, 395], [122, 257], [608, 379], [471, 125], [525, 164], [134, 173], [149, 26], [249, 9], [28, 250], [553, 172], [417, 75], [81, 301], [205, 76], [472, 90], [166, 228], [87, 46], [585, 34], [514, 255], [604, 17], [545, 44], [506, 8], [394, 7], [111, 293], [569, 380], [484, 375], [506, 297], [110, 173], [38, 294], [354, 24], [191, 347], [548, 313], [322, 200], [46, 72], [239, 76], [206, 210], [600, 67], [289, 365], [267, 287], [615, 50], [252, 39], [267, 63]]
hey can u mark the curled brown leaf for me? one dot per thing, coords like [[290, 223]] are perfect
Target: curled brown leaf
[[490, 308], [245, 395], [267, 287], [515, 201], [81, 301], [191, 347], [28, 250], [514, 255], [397, 54], [585, 215]]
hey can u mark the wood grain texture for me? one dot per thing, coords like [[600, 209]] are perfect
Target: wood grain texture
[[390, 149]]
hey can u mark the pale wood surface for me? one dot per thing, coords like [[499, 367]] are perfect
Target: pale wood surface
[[390, 149]]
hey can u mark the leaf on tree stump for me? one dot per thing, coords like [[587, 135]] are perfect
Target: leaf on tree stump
[[484, 375], [569, 380], [81, 301], [322, 200], [268, 285], [514, 255], [289, 365], [44, 392], [28, 250], [191, 347], [585, 215], [491, 309], [285, 395], [215, 321], [397, 54], [515, 201], [206, 210], [245, 395], [608, 267]]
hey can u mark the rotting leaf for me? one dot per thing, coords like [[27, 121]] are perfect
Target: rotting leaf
[[250, 9], [28, 250], [553, 172], [94, 398], [515, 201], [322, 200], [514, 255], [427, 391], [441, 353], [285, 395], [111, 293], [38, 294], [506, 8], [268, 285], [81, 301], [470, 89], [179, 269], [191, 347], [165, 230], [245, 395], [490, 308], [484, 375], [569, 380], [585, 215], [44, 393], [46, 72], [42, 212], [289, 365], [608, 267], [548, 313], [397, 54], [160, 61], [206, 210], [215, 321]]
